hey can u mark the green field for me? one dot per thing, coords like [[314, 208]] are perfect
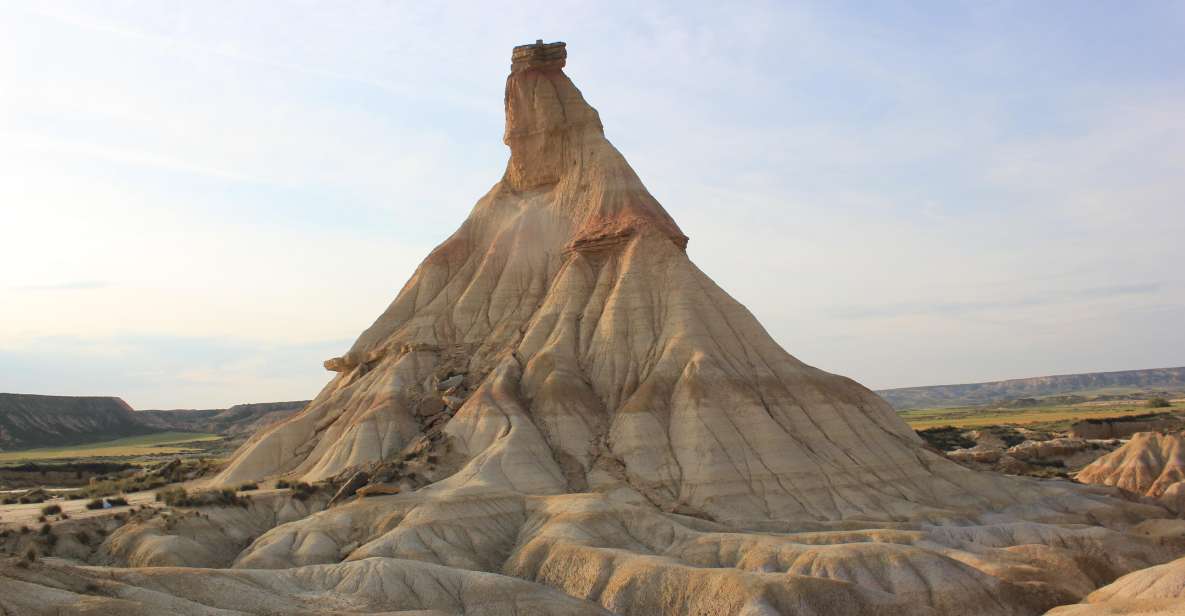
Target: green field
[[161, 443], [1051, 417]]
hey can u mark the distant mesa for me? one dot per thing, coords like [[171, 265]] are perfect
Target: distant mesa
[[29, 421], [1155, 380]]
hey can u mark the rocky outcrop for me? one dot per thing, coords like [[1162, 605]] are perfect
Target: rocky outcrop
[[1150, 464], [1156, 591]]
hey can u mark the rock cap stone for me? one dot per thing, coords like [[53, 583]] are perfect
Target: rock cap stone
[[539, 56]]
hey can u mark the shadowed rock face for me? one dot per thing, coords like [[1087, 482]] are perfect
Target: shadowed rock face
[[578, 417]]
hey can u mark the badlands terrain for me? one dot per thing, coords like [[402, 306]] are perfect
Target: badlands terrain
[[560, 414]]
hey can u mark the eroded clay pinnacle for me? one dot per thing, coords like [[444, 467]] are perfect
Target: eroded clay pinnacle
[[539, 56]]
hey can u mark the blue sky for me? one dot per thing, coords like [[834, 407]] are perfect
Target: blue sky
[[204, 200]]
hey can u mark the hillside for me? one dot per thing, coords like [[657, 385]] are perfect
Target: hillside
[[28, 420], [1102, 385]]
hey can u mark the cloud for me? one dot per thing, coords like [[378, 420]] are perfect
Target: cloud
[[77, 285], [918, 196], [166, 371], [961, 308]]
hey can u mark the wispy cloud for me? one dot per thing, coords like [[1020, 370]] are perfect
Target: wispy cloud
[[992, 180], [960, 308], [76, 285]]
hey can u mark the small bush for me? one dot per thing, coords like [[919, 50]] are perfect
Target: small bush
[[95, 503], [64, 516], [45, 529], [24, 530], [172, 496], [946, 438], [178, 497], [247, 487], [118, 501], [42, 518], [1158, 403], [283, 483], [302, 491], [51, 509], [31, 555]]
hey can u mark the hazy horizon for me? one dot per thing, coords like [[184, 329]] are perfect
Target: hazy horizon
[[205, 202]]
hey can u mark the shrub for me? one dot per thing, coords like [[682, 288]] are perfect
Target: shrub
[[31, 555], [247, 487], [64, 516], [95, 503], [946, 438], [302, 491], [46, 529], [283, 483], [51, 509], [24, 530], [1158, 403], [178, 497], [172, 496], [118, 501]]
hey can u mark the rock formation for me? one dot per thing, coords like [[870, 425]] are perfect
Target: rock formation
[[560, 413], [1150, 464], [1156, 591], [561, 340]]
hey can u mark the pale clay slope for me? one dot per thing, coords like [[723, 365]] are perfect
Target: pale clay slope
[[624, 432]]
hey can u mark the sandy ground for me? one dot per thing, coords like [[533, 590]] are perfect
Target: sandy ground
[[17, 515]]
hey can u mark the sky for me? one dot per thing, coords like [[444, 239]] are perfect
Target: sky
[[200, 202]]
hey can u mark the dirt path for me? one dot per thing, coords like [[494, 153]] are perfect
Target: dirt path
[[27, 514], [14, 516]]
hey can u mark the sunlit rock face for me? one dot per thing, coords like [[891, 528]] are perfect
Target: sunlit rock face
[[1151, 464], [560, 406], [594, 356]]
